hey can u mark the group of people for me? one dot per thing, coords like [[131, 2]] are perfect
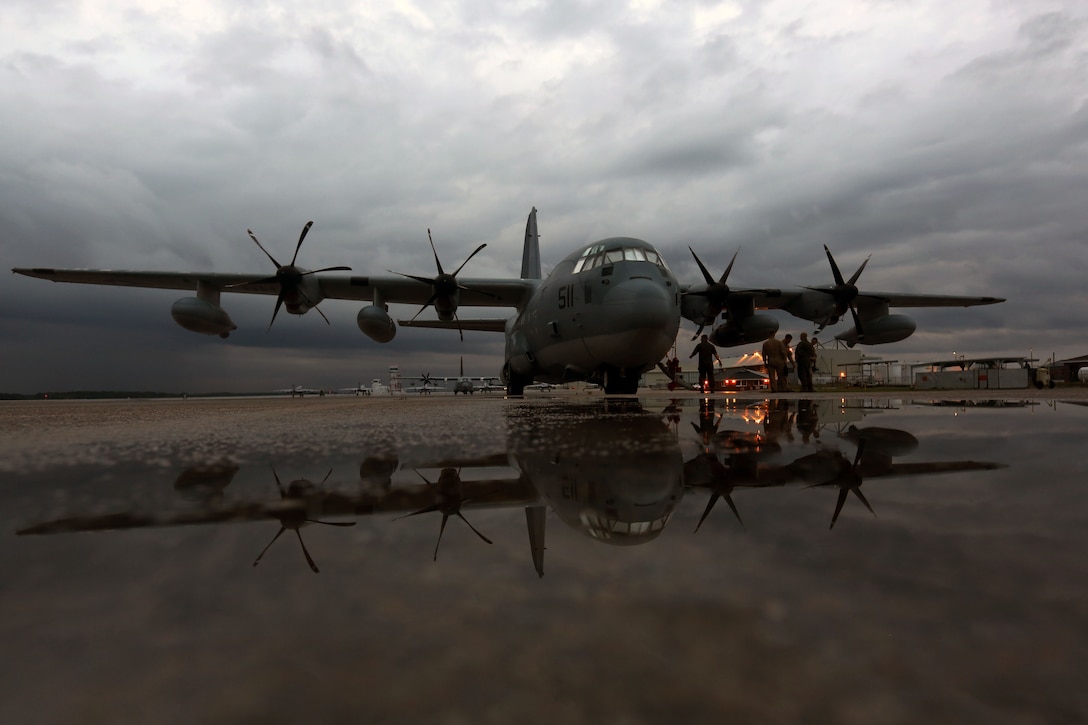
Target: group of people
[[780, 360], [778, 357]]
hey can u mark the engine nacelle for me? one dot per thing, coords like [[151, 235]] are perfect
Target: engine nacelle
[[197, 315], [376, 323], [880, 330], [696, 308], [754, 328]]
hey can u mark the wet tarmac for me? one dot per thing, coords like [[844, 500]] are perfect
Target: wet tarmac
[[884, 558]]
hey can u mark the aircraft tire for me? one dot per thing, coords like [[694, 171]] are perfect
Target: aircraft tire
[[616, 383], [515, 385]]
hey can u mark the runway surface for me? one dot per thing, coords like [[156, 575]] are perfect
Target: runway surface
[[889, 558]]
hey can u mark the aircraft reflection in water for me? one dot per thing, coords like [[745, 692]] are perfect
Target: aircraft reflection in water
[[613, 470]]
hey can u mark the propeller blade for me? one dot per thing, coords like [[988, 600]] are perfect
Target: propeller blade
[[441, 528], [474, 253], [462, 517], [838, 506], [259, 556], [485, 293], [437, 263], [305, 231], [428, 303], [857, 323], [857, 456], [729, 500], [834, 268], [857, 274], [279, 484], [313, 307], [860, 495], [725, 274], [702, 267], [276, 311], [309, 560], [327, 269], [426, 510], [417, 278], [254, 238], [706, 512]]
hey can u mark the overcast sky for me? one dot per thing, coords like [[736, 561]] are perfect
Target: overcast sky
[[947, 139]]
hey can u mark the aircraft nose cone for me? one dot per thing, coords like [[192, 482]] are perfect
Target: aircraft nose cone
[[639, 303], [642, 318]]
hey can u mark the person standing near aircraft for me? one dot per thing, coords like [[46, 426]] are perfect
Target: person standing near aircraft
[[805, 356], [707, 355], [790, 365], [774, 359]]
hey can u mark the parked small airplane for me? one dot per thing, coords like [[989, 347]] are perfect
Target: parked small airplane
[[607, 313], [300, 391], [376, 388]]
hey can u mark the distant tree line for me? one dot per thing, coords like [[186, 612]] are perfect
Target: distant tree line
[[110, 394]]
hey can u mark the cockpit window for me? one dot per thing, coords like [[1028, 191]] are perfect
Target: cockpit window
[[596, 255]]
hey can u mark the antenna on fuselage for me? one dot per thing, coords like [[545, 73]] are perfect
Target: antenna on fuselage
[[530, 254]]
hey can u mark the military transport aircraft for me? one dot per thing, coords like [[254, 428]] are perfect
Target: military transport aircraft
[[606, 313]]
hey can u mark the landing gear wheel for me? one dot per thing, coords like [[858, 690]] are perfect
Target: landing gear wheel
[[515, 384], [616, 383]]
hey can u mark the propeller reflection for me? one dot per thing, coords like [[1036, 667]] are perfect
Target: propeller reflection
[[293, 517], [451, 497]]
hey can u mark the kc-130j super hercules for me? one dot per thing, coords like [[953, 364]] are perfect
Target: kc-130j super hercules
[[607, 313]]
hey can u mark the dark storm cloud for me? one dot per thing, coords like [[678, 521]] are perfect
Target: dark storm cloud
[[948, 142]]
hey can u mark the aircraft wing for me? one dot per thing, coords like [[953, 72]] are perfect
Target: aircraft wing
[[481, 292], [773, 299], [900, 299]]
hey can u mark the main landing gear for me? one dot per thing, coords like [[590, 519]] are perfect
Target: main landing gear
[[619, 382]]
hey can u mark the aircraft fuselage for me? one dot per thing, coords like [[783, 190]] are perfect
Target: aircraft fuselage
[[607, 313]]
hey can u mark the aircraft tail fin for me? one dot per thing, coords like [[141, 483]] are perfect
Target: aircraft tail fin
[[530, 255]]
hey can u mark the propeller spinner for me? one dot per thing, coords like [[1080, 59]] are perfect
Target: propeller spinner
[[290, 278]]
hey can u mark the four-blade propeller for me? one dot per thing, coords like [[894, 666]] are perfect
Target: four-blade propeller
[[289, 277]]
